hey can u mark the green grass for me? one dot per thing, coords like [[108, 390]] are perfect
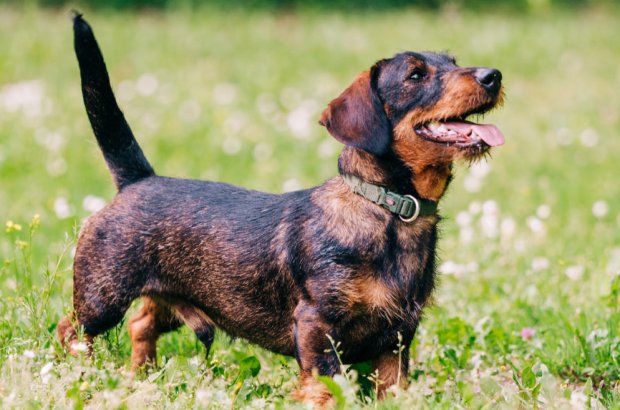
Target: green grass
[[210, 95]]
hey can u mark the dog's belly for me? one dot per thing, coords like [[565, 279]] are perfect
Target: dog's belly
[[243, 292]]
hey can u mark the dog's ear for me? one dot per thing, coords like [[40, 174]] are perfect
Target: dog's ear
[[357, 117]]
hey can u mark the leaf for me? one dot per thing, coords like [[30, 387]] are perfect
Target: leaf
[[249, 367], [528, 378]]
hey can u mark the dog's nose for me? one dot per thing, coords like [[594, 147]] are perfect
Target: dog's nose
[[489, 78]]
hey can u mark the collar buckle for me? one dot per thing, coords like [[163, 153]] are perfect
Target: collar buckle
[[416, 213]]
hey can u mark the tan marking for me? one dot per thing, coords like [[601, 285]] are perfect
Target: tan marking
[[390, 372], [346, 214]]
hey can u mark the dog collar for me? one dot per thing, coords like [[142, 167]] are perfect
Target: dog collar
[[407, 207]]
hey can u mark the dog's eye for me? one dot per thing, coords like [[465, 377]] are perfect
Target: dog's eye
[[417, 74]]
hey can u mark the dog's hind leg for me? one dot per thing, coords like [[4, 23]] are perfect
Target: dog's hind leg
[[154, 318]]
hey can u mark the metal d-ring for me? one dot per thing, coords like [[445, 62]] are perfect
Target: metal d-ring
[[415, 214]]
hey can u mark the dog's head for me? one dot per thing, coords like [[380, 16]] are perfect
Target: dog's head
[[416, 105]]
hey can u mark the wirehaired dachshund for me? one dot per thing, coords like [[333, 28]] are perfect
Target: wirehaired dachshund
[[351, 260]]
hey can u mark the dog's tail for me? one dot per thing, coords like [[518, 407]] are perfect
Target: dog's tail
[[120, 149]]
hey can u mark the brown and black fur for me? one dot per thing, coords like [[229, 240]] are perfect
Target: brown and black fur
[[281, 271]]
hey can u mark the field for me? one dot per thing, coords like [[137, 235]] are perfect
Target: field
[[527, 311]]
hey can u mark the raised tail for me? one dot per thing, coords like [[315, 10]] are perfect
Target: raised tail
[[120, 149]]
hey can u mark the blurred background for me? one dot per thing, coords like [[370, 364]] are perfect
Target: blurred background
[[232, 91]]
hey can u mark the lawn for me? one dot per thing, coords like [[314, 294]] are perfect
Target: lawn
[[527, 310]]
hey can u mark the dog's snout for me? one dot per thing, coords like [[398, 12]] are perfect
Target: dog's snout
[[489, 78]]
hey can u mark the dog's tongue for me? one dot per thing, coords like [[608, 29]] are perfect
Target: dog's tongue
[[489, 133]]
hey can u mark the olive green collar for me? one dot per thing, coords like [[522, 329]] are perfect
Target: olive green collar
[[407, 207]]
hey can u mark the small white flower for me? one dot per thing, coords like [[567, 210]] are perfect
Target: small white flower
[[29, 354], [578, 400], [575, 272], [79, 347], [472, 184], [536, 225], [111, 399], [489, 223], [231, 146], [589, 137], [290, 185], [490, 207], [301, 120], [564, 136], [448, 267], [600, 209], [543, 211], [93, 203], [147, 84], [480, 169], [327, 148], [195, 361], [62, 209], [466, 234], [540, 263], [508, 227], [475, 207], [463, 218], [202, 397], [45, 372]]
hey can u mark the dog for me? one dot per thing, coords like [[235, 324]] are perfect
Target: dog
[[351, 261]]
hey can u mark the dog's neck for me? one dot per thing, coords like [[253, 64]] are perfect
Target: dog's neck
[[390, 171]]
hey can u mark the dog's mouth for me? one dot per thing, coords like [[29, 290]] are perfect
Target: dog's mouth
[[461, 133]]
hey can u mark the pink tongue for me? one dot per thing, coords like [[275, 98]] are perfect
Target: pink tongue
[[489, 133]]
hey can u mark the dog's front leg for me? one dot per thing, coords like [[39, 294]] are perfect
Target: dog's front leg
[[315, 355], [391, 368]]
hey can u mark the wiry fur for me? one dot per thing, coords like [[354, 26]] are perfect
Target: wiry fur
[[282, 271]]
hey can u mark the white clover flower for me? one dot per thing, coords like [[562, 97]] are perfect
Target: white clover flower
[[540, 263], [62, 209], [26, 96], [300, 121], [472, 184], [29, 354], [574, 272], [490, 207], [92, 203], [543, 211], [480, 169], [489, 224], [589, 138], [466, 234], [475, 207], [231, 146], [147, 84], [508, 227], [79, 347], [291, 184], [327, 148], [536, 225], [45, 372], [463, 218], [600, 209]]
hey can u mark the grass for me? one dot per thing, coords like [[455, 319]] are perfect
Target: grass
[[527, 311]]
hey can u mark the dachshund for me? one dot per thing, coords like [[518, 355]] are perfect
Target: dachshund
[[351, 261]]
